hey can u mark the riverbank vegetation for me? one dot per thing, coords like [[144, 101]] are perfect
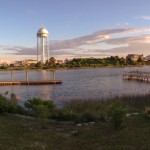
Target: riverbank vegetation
[[79, 111], [106, 116], [112, 61]]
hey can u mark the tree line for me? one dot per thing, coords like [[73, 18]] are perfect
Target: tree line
[[112, 61], [109, 61], [93, 62]]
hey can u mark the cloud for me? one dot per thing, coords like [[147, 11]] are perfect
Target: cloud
[[143, 17], [122, 25], [17, 50], [127, 40], [116, 42], [97, 37]]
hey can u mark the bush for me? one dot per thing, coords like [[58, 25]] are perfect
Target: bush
[[117, 114], [84, 111], [42, 111], [147, 112], [13, 97], [37, 106], [3, 104], [10, 105]]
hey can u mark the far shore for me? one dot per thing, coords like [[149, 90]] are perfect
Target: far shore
[[65, 68]]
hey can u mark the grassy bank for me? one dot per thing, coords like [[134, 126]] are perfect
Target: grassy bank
[[111, 129], [19, 134], [76, 110]]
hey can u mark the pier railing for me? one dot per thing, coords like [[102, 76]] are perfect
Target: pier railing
[[30, 82], [137, 75]]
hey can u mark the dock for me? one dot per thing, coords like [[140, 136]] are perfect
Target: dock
[[43, 82], [31, 82], [137, 75]]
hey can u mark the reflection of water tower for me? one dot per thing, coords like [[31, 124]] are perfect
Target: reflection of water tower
[[42, 45]]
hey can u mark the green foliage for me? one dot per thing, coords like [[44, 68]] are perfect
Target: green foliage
[[97, 62], [39, 64], [117, 114], [3, 104], [4, 67], [82, 111], [42, 111], [13, 97], [37, 106], [147, 111], [10, 105], [51, 62]]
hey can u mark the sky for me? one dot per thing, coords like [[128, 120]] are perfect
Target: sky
[[77, 28]]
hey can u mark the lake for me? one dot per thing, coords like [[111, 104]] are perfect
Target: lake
[[83, 84]]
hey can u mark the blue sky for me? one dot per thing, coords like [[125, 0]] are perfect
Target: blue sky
[[78, 28]]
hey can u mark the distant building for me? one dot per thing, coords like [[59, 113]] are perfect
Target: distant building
[[147, 58], [67, 60], [17, 64], [59, 62], [4, 64], [29, 62], [134, 57]]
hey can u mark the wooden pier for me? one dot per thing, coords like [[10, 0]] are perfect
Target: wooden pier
[[137, 75], [31, 82]]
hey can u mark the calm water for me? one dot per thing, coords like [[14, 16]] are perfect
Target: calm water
[[77, 84]]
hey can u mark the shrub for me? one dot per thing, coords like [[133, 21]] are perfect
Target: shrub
[[3, 104], [117, 114], [37, 106], [10, 106], [84, 111], [42, 111], [147, 112], [13, 97]]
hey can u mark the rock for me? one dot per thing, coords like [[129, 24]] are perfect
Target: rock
[[91, 123], [79, 124], [135, 113], [128, 115]]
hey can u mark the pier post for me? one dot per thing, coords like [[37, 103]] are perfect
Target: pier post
[[12, 76], [53, 75], [27, 75]]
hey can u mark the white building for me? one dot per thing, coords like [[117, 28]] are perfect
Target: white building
[[147, 58]]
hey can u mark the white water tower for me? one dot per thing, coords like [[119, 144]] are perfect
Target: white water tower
[[42, 45]]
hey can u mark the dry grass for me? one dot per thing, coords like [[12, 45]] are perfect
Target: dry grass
[[18, 134]]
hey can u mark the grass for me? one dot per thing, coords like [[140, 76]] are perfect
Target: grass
[[19, 134]]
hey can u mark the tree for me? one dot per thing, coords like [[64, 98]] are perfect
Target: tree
[[141, 61], [51, 62], [39, 64], [117, 114], [122, 61]]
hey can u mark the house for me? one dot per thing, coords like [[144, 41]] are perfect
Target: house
[[67, 60], [18, 64], [4, 64], [59, 62], [147, 58], [134, 57], [29, 62]]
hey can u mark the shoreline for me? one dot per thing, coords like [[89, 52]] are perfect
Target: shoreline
[[73, 68]]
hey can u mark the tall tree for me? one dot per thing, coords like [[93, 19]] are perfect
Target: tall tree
[[52, 62]]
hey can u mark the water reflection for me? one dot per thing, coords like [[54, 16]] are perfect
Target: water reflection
[[77, 84]]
